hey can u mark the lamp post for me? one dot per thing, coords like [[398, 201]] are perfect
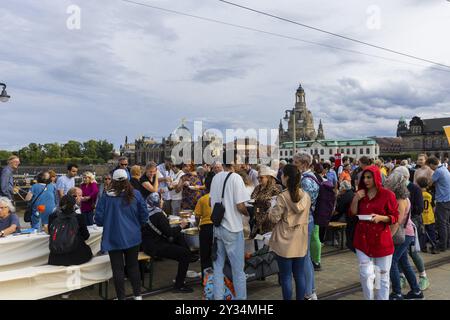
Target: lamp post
[[294, 137], [4, 97]]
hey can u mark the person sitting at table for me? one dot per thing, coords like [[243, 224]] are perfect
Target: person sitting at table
[[161, 240], [82, 253], [9, 221]]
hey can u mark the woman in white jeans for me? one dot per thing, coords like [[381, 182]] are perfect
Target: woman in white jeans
[[377, 208]]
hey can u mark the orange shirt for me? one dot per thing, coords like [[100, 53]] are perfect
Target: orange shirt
[[345, 176]]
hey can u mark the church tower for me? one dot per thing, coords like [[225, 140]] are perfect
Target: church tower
[[320, 134]]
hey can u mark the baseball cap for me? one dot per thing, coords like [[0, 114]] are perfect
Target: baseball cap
[[120, 175]]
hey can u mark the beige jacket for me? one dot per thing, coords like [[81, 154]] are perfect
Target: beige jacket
[[290, 235]]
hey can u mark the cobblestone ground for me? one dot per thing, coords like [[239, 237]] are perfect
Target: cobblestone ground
[[338, 271]]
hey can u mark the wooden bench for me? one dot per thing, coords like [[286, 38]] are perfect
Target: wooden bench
[[337, 226], [146, 261], [40, 282]]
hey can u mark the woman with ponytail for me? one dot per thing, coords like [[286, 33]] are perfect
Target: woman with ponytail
[[289, 241]]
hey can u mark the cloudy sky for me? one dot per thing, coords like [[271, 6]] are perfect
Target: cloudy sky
[[133, 70]]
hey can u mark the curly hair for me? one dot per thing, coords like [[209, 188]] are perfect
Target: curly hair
[[398, 184]]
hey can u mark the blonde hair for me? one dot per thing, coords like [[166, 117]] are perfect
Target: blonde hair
[[135, 171], [11, 158], [90, 175]]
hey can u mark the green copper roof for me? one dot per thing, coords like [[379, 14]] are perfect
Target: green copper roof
[[330, 143]]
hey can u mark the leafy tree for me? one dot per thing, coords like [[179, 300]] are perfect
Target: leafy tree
[[73, 149]]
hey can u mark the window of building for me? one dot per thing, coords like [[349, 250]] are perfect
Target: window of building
[[342, 151], [292, 152], [322, 152], [312, 152], [361, 151], [281, 153], [367, 151], [331, 151], [348, 151], [353, 151]]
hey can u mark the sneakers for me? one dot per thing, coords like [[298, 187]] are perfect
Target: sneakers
[[424, 283], [317, 266], [312, 297], [137, 298], [402, 281], [413, 295], [183, 289], [396, 296]]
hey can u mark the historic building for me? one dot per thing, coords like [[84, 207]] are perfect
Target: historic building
[[419, 136], [304, 122], [354, 148]]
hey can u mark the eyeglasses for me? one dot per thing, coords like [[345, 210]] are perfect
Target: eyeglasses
[[107, 179]]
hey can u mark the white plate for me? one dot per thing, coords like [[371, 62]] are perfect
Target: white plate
[[364, 217]]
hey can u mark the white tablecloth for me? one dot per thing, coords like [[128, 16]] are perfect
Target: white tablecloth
[[31, 250]]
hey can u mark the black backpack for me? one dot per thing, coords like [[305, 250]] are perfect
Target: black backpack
[[64, 233]]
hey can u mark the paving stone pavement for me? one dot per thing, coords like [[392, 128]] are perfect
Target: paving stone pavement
[[338, 271]]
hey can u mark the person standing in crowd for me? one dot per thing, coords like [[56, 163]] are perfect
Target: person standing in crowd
[[203, 218], [229, 235], [252, 173], [343, 202], [81, 253], [330, 174], [250, 208], [416, 201], [397, 183], [280, 169], [441, 181], [176, 189], [136, 174], [345, 161], [379, 164], [53, 177], [165, 179], [217, 167], [161, 240], [121, 213], [7, 180], [303, 163], [422, 169], [149, 181], [122, 164], [345, 175], [428, 217], [89, 188], [104, 187], [263, 194], [192, 186], [9, 221], [373, 239], [289, 238], [66, 182], [42, 193]]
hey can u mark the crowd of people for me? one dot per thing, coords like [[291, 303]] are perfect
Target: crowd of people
[[394, 211]]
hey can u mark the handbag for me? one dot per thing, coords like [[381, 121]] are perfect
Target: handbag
[[399, 236], [219, 209], [29, 210]]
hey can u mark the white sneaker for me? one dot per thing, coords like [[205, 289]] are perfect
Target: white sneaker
[[314, 296], [65, 296], [138, 298]]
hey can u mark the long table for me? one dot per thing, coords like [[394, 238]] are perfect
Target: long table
[[30, 250]]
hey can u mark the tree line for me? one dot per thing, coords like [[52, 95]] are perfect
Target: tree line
[[89, 152]]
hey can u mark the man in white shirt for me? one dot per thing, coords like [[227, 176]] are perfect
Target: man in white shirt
[[230, 235], [176, 189], [67, 182], [164, 180]]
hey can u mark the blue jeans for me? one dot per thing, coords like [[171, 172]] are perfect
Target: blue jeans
[[231, 245], [296, 268], [400, 258], [309, 268]]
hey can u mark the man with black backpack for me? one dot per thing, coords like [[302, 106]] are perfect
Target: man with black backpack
[[228, 196], [68, 233]]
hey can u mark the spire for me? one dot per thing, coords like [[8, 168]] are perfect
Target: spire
[[320, 134]]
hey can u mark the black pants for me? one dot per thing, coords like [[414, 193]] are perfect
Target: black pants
[[206, 241], [442, 213], [178, 251], [118, 260]]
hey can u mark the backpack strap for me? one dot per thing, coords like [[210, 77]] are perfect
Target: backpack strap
[[224, 184], [312, 178]]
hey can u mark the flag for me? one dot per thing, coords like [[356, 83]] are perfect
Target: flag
[[447, 133]]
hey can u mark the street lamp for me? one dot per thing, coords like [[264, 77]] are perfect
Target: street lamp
[[4, 97], [286, 117]]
